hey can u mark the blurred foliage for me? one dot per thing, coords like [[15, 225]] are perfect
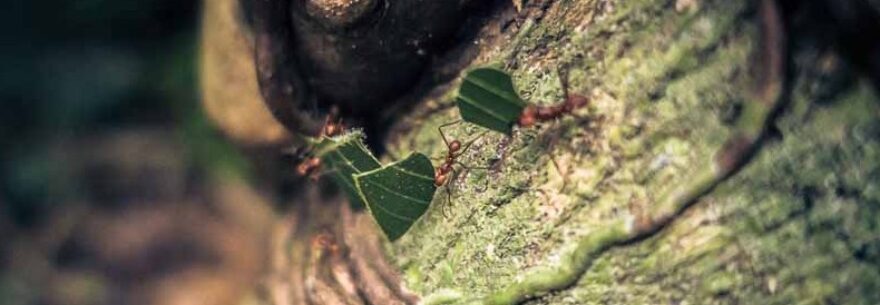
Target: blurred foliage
[[75, 70]]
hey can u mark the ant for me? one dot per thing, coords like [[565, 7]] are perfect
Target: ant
[[331, 128], [454, 149], [325, 241], [533, 114], [443, 171]]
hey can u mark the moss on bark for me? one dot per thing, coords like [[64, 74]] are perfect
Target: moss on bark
[[799, 225]]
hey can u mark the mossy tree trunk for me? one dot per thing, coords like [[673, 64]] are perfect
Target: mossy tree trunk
[[670, 83], [635, 200]]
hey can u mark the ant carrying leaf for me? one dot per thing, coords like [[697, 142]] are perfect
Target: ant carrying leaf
[[533, 114], [311, 166], [343, 153], [488, 98], [396, 195]]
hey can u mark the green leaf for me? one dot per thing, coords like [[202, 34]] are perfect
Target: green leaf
[[345, 156], [487, 98], [398, 194]]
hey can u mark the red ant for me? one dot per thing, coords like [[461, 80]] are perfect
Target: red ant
[[309, 166], [325, 241], [443, 171], [454, 149], [533, 114]]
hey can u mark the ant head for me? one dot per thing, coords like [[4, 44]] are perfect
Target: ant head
[[454, 146], [332, 126], [302, 169], [325, 241], [527, 118], [305, 167], [332, 129]]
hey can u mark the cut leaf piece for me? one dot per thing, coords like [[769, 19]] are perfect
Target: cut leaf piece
[[487, 98], [398, 194], [344, 157]]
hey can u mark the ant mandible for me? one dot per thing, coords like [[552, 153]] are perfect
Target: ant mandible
[[533, 114], [331, 128]]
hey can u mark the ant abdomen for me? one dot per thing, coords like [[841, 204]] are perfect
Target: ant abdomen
[[440, 178]]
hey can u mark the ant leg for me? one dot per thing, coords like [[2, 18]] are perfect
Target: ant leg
[[563, 72], [443, 135], [562, 173], [505, 149], [448, 206], [327, 119], [443, 157], [460, 174], [469, 143], [449, 185], [551, 147]]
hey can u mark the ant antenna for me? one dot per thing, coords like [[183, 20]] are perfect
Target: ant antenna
[[471, 142], [443, 135]]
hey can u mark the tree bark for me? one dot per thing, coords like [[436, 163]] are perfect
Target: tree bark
[[729, 155]]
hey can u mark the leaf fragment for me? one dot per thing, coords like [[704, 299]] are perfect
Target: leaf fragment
[[398, 194], [346, 156], [488, 98]]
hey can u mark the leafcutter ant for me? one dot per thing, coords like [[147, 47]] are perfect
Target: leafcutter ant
[[454, 149], [534, 114], [309, 166], [325, 241]]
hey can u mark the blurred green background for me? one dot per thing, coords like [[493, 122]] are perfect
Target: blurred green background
[[114, 187], [77, 69]]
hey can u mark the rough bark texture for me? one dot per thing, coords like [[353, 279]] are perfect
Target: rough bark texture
[[670, 83], [667, 80]]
